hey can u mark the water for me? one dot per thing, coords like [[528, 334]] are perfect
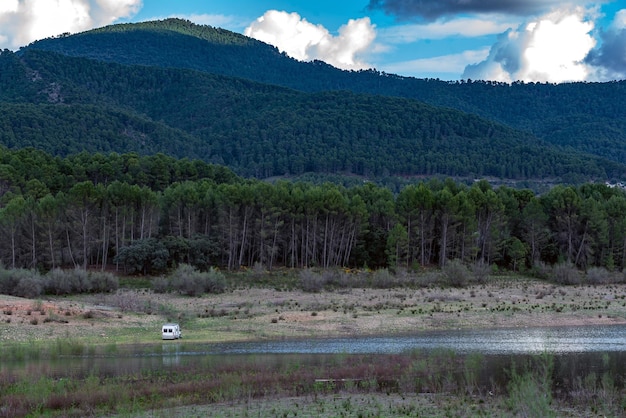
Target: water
[[578, 351], [557, 340]]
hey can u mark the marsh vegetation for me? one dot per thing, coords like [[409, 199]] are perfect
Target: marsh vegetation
[[256, 304]]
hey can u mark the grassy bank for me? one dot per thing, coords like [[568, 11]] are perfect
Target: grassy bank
[[257, 305], [275, 311], [414, 384]]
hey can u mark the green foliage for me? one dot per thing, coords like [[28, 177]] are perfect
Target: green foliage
[[311, 281], [146, 215], [566, 273], [191, 282], [587, 117], [139, 103], [455, 274], [148, 256], [530, 393], [31, 284]]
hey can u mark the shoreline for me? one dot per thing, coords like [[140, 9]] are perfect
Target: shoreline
[[258, 313]]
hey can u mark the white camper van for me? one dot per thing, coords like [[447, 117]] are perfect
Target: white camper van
[[171, 332]]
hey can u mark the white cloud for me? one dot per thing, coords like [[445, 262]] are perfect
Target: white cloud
[[8, 6], [609, 59], [452, 64], [464, 27], [24, 21], [208, 19], [305, 41], [619, 21], [549, 49]]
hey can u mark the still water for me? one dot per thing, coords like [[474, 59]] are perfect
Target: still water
[[577, 351], [557, 340]]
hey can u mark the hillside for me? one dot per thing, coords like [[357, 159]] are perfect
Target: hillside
[[141, 90], [587, 117]]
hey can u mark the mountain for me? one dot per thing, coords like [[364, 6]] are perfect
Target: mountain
[[587, 117], [201, 92]]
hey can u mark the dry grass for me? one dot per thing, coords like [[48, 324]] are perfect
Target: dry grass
[[261, 313]]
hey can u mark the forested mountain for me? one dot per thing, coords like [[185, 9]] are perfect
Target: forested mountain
[[587, 117], [65, 104], [109, 140]]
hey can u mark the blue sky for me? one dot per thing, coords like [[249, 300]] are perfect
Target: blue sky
[[504, 40]]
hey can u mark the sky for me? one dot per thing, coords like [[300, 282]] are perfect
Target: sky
[[500, 40]]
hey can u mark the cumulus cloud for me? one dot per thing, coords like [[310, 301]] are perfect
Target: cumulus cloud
[[305, 41], [609, 59], [24, 21], [432, 10], [549, 49]]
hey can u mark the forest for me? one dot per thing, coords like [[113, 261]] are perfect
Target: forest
[[141, 147], [147, 214], [65, 105], [586, 117]]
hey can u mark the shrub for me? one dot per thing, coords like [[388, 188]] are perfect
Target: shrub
[[81, 280], [29, 286], [61, 282], [566, 273], [455, 274], [102, 281], [480, 272], [215, 281], [160, 285], [383, 279], [530, 393], [311, 281], [189, 281], [598, 275], [10, 279], [541, 271], [428, 279], [258, 270], [127, 301]]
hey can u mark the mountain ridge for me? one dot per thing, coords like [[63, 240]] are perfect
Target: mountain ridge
[[264, 130], [533, 107]]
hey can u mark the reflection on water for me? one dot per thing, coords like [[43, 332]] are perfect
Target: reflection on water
[[577, 352], [558, 340]]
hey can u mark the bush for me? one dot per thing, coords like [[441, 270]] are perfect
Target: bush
[[541, 271], [29, 286], [311, 281], [10, 279], [161, 285], [214, 281], [481, 271], [104, 282], [189, 281], [383, 279], [598, 275], [455, 274], [428, 279], [65, 282], [566, 273]]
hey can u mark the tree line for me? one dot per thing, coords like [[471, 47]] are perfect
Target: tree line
[[108, 212]]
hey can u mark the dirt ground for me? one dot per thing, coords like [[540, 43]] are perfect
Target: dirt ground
[[263, 313]]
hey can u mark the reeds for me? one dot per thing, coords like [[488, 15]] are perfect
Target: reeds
[[463, 381]]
